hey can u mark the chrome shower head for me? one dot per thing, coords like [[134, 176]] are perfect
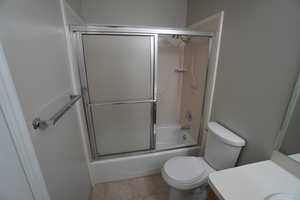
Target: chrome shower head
[[184, 38]]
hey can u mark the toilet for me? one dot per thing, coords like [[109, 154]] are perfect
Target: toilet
[[188, 175]]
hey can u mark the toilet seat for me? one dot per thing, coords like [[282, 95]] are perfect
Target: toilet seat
[[186, 172]]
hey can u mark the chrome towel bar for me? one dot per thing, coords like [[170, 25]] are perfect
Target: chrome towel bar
[[37, 123]]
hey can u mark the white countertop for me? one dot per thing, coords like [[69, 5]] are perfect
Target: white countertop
[[253, 181], [295, 157]]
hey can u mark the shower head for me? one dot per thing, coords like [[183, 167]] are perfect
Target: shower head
[[184, 38], [175, 40], [170, 42]]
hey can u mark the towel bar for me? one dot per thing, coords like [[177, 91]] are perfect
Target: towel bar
[[37, 123]]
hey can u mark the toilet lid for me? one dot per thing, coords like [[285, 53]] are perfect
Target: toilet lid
[[185, 169]]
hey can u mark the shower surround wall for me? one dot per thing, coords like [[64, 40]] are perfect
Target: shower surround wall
[[169, 82], [181, 83], [193, 84]]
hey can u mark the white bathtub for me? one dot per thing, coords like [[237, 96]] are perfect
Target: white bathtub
[[170, 136], [134, 166]]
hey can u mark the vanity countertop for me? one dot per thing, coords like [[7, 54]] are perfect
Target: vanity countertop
[[253, 181], [295, 157]]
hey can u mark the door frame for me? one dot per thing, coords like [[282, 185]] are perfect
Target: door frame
[[19, 131]]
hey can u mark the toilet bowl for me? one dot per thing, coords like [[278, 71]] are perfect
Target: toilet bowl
[[188, 175], [184, 174]]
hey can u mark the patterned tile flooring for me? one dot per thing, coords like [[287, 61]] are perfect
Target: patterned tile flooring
[[142, 188]]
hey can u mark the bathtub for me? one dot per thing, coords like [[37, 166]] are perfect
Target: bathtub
[[172, 136], [134, 166], [167, 136]]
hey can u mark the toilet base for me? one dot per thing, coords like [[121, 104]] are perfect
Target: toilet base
[[199, 193]]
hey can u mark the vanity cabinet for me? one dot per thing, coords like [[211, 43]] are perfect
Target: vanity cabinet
[[212, 195]]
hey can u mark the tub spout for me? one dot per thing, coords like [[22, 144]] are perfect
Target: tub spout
[[185, 127]]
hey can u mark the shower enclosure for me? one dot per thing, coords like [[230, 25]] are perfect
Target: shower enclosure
[[135, 84]]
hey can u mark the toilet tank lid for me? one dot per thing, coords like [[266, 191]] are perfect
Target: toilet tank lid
[[227, 136]]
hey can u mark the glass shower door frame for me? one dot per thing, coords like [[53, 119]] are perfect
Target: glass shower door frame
[[79, 51]]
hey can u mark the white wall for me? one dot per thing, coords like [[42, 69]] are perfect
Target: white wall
[[135, 12], [34, 42], [13, 183], [75, 5], [259, 61], [71, 17]]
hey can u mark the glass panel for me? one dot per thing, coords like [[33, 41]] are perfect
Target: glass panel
[[182, 67], [122, 128], [118, 67]]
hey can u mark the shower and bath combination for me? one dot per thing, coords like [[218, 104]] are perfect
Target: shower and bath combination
[[180, 42], [136, 87]]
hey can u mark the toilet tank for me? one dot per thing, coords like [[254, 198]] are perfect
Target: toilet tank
[[222, 147]]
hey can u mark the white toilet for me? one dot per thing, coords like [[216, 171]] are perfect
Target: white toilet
[[188, 175]]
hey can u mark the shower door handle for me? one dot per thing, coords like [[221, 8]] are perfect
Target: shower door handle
[[154, 111]]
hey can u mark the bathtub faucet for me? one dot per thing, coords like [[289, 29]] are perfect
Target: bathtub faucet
[[185, 127]]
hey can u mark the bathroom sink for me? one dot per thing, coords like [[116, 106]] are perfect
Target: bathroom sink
[[283, 196]]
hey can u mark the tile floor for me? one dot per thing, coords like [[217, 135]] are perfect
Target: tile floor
[[143, 188]]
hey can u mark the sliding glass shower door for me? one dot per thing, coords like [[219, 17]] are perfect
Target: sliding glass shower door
[[119, 95]]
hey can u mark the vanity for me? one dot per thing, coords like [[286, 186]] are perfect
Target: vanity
[[252, 182], [264, 180]]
